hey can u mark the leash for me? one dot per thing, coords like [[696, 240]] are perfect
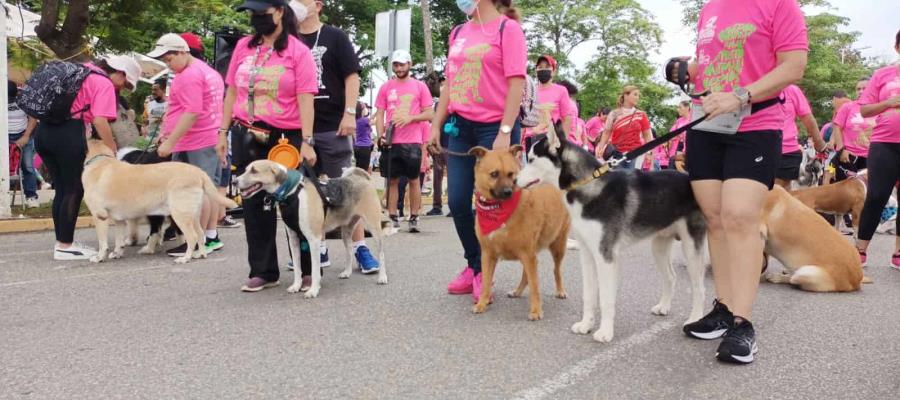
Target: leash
[[95, 158]]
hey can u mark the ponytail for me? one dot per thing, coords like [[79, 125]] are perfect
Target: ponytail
[[506, 7]]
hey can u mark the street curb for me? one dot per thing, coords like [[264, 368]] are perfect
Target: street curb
[[37, 224]]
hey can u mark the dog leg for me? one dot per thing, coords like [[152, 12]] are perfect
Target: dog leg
[[517, 292], [488, 263], [152, 242], [662, 247], [314, 243], [558, 251], [373, 221], [607, 281], [122, 229], [187, 221], [131, 226], [346, 233], [201, 241], [294, 244], [529, 262], [102, 228], [589, 294], [693, 254]]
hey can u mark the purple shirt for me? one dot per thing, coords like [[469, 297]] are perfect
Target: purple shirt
[[363, 132]]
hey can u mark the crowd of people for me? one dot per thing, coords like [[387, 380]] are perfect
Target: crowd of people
[[297, 78]]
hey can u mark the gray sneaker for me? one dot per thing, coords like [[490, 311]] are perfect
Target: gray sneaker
[[414, 224], [256, 284]]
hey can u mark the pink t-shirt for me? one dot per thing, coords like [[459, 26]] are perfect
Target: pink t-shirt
[[197, 89], [575, 135], [406, 97], [478, 68], [885, 84], [98, 92], [285, 75], [856, 131], [665, 152], [736, 46], [795, 106], [594, 127]]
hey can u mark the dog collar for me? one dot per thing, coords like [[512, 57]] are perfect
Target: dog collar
[[493, 214], [603, 169], [289, 185], [95, 158]]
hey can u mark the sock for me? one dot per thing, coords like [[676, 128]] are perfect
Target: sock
[[323, 247], [357, 245], [393, 217], [212, 234]]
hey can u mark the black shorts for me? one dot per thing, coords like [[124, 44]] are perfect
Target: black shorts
[[405, 161], [363, 156], [789, 167], [856, 164], [753, 155]]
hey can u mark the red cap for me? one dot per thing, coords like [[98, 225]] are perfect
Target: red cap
[[192, 40], [549, 58]]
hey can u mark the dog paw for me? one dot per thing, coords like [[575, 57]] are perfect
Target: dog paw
[[513, 295], [312, 293], [146, 250], [583, 327], [603, 335], [660, 309], [130, 242], [345, 274], [295, 288], [182, 260], [562, 295], [382, 280], [96, 259], [535, 315], [116, 254], [479, 308]]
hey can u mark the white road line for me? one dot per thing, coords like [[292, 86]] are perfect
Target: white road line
[[584, 368]]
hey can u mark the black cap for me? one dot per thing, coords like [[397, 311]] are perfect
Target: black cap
[[260, 5]]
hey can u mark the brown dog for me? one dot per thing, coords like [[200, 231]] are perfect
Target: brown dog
[[844, 197], [539, 221], [817, 258]]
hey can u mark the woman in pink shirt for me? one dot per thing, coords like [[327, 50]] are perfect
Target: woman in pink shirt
[[479, 106], [747, 52], [63, 147], [552, 95], [665, 154], [282, 74], [881, 100], [851, 134], [594, 127]]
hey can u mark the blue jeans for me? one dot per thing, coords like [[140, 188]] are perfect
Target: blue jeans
[[461, 180], [29, 175]]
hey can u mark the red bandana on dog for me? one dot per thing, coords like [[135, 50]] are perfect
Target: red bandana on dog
[[492, 214]]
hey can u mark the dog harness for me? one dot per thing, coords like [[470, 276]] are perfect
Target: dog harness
[[95, 158], [493, 214]]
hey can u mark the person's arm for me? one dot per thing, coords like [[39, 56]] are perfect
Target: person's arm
[[511, 110], [607, 132], [440, 116], [648, 135], [871, 110], [222, 145], [789, 69], [101, 124], [32, 123], [812, 129], [184, 124], [379, 125], [567, 124], [351, 96], [307, 121]]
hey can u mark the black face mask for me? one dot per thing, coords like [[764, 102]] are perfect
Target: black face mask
[[158, 99], [263, 24], [544, 75]]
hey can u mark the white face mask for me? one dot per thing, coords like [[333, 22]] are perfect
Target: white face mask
[[301, 12]]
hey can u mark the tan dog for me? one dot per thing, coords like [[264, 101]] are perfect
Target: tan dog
[[845, 197], [817, 258], [540, 221], [118, 191]]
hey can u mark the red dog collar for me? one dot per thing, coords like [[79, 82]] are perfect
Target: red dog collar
[[493, 214]]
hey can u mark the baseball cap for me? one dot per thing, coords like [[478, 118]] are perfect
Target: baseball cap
[[193, 41], [401, 56], [169, 42], [260, 5], [550, 60], [127, 65]]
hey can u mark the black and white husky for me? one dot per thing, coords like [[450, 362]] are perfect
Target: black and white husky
[[617, 209]]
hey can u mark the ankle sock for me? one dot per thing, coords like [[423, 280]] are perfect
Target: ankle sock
[[357, 245], [212, 234]]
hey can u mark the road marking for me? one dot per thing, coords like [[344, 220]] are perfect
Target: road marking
[[584, 368]]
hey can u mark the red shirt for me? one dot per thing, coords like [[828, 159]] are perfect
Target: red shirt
[[626, 133]]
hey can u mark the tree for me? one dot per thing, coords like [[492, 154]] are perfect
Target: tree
[[66, 39]]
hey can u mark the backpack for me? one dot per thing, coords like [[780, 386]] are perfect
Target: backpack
[[49, 92], [529, 115]]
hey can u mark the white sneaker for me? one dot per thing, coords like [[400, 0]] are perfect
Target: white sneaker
[[572, 244], [76, 251], [32, 202]]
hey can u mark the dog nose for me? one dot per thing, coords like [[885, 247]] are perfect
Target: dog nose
[[506, 192]]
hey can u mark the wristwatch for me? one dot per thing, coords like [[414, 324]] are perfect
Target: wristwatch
[[309, 140], [350, 110], [505, 129], [743, 95]]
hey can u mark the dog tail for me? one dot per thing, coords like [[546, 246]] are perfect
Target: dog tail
[[813, 278], [213, 192], [348, 172]]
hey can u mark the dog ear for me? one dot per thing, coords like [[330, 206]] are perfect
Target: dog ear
[[478, 152], [516, 150], [279, 173]]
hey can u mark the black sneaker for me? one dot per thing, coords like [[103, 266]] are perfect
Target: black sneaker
[[435, 212], [712, 326], [395, 221], [170, 234], [739, 344], [414, 224], [178, 251]]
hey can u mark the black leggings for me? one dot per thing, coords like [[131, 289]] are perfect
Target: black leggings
[[884, 172], [62, 149]]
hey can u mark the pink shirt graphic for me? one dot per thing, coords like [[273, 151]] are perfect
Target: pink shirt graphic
[[407, 97], [795, 106], [856, 131], [884, 85], [736, 46], [98, 92], [555, 96], [478, 68], [285, 75], [198, 89]]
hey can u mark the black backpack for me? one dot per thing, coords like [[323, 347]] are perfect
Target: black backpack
[[49, 92]]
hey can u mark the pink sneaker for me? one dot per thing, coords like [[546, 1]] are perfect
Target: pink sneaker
[[862, 257], [462, 284], [895, 261], [476, 290]]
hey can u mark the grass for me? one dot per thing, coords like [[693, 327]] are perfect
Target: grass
[[44, 211]]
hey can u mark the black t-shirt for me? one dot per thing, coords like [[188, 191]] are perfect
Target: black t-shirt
[[335, 60]]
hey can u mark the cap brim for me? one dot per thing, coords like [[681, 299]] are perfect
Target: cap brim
[[157, 53], [254, 6]]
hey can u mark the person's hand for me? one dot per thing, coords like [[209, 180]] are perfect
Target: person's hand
[[434, 142], [348, 126], [501, 142], [222, 150], [165, 149], [401, 120], [894, 102], [22, 142], [719, 103], [599, 152], [308, 154], [844, 157]]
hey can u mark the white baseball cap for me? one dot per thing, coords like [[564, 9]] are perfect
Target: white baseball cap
[[169, 42], [128, 66], [401, 56]]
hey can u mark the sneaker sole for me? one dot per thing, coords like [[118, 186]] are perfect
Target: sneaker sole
[[716, 334], [248, 289], [370, 271], [217, 247], [895, 266], [734, 359], [458, 292], [61, 256]]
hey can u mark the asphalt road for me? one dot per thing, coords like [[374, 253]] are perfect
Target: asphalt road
[[145, 328]]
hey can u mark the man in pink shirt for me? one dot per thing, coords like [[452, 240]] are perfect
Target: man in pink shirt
[[795, 106], [404, 108], [190, 128], [551, 95]]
